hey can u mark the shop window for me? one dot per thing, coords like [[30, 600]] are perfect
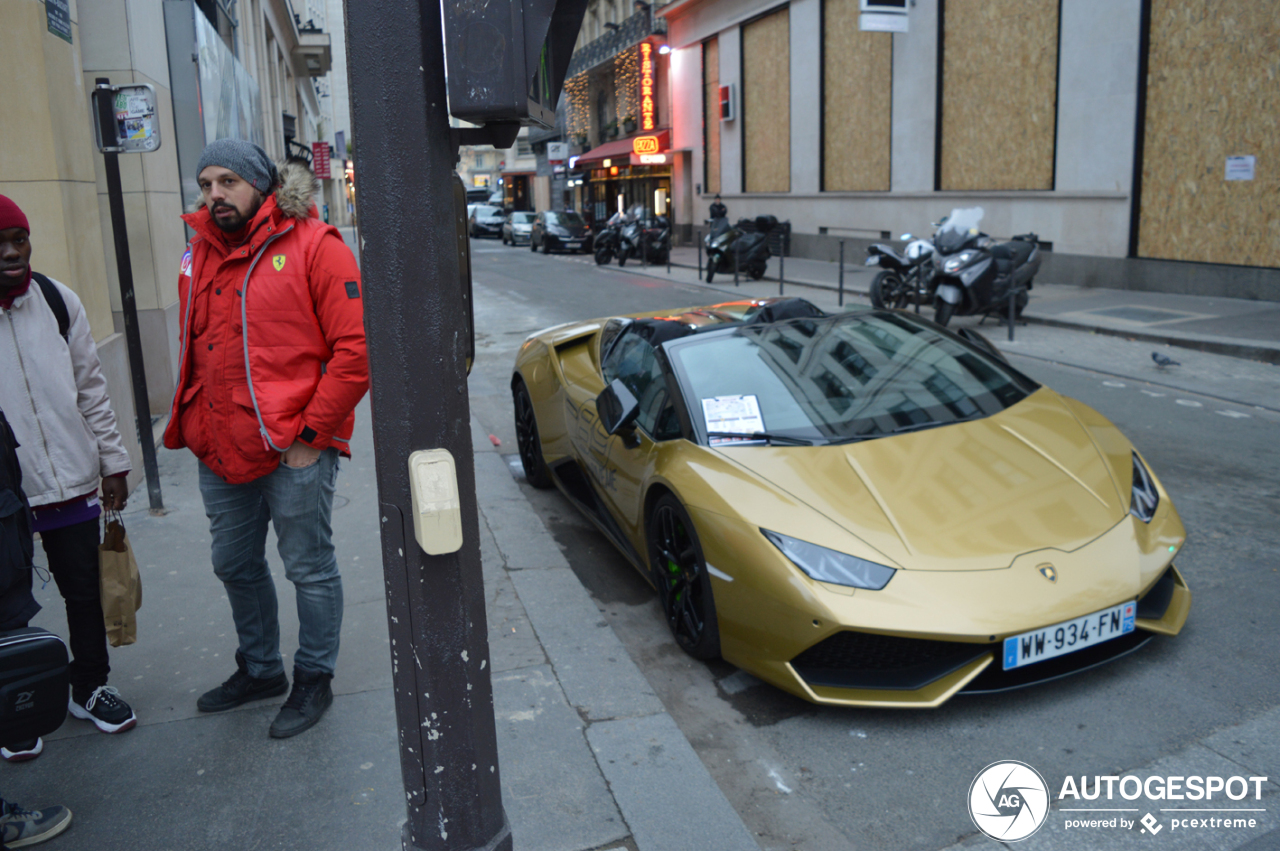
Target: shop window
[[765, 123], [998, 95], [857, 91], [711, 116]]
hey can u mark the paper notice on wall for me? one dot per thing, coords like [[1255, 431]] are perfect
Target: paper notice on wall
[[733, 414], [1241, 168]]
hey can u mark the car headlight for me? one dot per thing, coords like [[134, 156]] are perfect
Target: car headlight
[[956, 263], [1145, 497], [827, 565]]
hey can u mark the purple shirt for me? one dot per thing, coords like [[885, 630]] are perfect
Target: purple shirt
[[65, 514]]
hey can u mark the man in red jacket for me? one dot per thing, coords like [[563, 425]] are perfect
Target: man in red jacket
[[271, 368]]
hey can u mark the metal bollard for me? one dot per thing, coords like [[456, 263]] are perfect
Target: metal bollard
[[737, 257], [699, 242], [840, 302], [782, 268], [1013, 297]]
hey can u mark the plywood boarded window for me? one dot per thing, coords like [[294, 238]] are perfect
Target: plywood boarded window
[[1213, 91], [857, 83], [999, 94], [766, 103], [711, 116]]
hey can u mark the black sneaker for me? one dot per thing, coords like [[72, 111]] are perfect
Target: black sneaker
[[22, 751], [20, 828], [310, 697], [104, 708], [241, 688]]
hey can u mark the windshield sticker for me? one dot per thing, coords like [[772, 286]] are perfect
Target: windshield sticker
[[734, 414]]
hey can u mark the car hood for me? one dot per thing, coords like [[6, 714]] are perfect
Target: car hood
[[969, 496]]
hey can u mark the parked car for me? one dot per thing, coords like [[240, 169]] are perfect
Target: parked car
[[863, 509], [559, 230], [486, 220], [478, 195], [517, 227]]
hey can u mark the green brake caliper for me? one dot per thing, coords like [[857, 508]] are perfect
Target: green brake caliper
[[674, 570]]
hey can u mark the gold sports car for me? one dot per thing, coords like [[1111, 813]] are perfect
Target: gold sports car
[[863, 509]]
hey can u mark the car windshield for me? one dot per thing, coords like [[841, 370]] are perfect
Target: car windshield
[[522, 218], [567, 218], [840, 379], [486, 212]]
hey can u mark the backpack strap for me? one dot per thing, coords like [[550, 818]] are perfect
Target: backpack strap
[[56, 303]]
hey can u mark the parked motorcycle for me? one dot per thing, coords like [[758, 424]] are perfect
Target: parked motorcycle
[[907, 278], [975, 274], [606, 244], [733, 246], [655, 246], [630, 234]]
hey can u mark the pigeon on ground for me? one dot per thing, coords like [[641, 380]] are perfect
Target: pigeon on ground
[[1163, 360]]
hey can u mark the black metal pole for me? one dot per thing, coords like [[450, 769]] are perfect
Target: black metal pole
[[1013, 295], [415, 321], [128, 302], [840, 300], [782, 264], [699, 244], [737, 257]]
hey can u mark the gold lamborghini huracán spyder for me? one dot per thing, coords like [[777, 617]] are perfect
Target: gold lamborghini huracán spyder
[[862, 509]]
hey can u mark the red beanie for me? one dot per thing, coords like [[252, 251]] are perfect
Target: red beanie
[[11, 215]]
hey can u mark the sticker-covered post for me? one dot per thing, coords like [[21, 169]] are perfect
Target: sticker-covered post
[[126, 121]]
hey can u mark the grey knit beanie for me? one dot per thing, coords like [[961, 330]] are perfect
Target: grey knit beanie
[[244, 158]]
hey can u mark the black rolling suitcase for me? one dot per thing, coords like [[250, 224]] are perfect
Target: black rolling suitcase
[[33, 684]]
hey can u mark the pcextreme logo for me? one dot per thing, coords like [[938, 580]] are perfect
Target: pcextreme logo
[[1009, 801]]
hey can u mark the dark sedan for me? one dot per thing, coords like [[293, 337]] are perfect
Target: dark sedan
[[486, 220], [560, 231]]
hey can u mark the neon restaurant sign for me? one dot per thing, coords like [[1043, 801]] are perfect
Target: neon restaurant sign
[[648, 108]]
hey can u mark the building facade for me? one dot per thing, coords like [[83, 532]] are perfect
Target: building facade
[[1136, 137]]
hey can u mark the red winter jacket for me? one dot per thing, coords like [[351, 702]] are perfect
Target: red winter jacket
[[287, 303]]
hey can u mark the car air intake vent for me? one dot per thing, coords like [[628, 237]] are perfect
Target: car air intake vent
[[864, 660], [1156, 601]]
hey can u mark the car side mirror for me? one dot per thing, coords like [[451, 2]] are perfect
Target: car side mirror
[[617, 408]]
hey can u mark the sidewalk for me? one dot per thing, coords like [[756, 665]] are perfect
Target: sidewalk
[[1235, 327], [589, 758]]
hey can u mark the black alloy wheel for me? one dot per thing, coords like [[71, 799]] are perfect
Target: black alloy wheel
[[535, 467], [757, 271], [532, 246], [889, 290], [680, 574], [546, 246], [603, 256]]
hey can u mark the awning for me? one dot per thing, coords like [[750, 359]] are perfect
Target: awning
[[620, 150]]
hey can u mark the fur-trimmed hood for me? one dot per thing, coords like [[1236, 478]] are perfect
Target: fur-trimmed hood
[[295, 194]]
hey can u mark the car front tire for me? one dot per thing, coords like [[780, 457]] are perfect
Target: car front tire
[[680, 574]]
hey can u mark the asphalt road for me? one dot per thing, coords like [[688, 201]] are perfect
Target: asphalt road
[[804, 776]]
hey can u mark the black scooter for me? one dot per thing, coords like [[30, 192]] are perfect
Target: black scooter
[[655, 240], [976, 275], [729, 247], [606, 244]]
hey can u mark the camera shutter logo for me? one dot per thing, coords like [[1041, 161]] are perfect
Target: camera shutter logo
[[1008, 801]]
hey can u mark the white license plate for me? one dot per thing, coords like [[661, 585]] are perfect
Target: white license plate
[[1069, 636], [572, 244]]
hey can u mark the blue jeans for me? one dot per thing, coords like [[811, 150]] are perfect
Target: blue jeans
[[299, 502]]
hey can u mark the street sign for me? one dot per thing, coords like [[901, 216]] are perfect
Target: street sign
[[134, 126], [320, 160], [557, 152], [58, 18]]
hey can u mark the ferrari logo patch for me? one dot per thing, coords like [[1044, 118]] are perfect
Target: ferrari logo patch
[[1049, 572], [278, 261]]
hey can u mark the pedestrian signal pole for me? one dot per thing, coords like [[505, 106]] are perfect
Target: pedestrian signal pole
[[506, 67]]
